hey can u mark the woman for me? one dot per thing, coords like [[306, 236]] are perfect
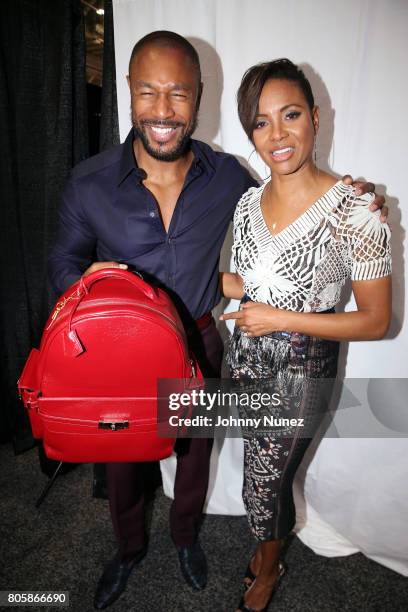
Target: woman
[[296, 239]]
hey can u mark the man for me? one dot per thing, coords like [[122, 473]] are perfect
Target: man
[[160, 203]]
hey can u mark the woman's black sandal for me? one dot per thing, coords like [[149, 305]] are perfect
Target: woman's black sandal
[[242, 607], [249, 575]]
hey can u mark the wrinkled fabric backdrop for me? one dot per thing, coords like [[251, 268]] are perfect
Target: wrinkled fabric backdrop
[[43, 117], [351, 493]]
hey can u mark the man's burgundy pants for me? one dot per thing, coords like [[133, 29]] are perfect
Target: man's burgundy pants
[[125, 483]]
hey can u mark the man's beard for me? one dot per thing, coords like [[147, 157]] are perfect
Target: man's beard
[[180, 147]]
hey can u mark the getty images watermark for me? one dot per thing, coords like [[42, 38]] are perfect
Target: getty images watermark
[[214, 401], [221, 408], [350, 408]]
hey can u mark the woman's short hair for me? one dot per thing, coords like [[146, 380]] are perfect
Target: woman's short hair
[[252, 84]]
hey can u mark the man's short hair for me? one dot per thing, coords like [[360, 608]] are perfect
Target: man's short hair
[[165, 38]]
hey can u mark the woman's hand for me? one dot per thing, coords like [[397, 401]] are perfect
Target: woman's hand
[[257, 319]]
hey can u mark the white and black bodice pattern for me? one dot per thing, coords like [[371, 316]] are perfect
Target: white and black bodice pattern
[[303, 267]]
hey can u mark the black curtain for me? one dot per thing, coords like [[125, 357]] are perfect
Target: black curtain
[[43, 134], [109, 134]]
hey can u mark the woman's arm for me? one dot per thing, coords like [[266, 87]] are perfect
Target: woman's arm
[[231, 285], [369, 322]]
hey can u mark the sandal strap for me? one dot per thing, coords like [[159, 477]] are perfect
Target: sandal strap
[[242, 607]]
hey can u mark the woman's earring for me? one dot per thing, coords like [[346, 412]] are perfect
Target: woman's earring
[[250, 155], [255, 151], [332, 155], [269, 175], [315, 153]]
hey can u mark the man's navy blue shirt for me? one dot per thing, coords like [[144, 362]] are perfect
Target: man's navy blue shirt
[[108, 215]]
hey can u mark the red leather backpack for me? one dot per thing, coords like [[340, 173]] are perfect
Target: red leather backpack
[[91, 388]]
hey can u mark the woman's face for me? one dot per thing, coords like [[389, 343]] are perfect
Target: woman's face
[[285, 127]]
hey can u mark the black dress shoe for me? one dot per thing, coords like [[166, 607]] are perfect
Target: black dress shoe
[[193, 565], [113, 581]]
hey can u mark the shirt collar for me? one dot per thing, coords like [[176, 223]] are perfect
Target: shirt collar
[[201, 159], [128, 162]]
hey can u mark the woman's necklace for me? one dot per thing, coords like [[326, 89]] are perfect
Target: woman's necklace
[[275, 223]]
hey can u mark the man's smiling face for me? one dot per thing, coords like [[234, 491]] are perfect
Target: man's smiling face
[[164, 93]]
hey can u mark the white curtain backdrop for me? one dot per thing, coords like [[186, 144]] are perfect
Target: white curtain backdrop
[[352, 493]]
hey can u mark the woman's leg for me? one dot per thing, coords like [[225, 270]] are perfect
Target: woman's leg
[[265, 557], [265, 566], [271, 457]]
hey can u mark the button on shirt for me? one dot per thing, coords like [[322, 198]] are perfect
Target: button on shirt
[[108, 215]]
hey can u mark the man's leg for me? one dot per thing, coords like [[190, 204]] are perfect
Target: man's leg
[[126, 501], [193, 467], [190, 489]]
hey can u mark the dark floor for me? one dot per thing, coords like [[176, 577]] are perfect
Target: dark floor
[[64, 545]]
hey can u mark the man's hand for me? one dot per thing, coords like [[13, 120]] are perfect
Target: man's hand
[[99, 265], [361, 187]]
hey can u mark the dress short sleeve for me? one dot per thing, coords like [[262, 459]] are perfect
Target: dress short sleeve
[[368, 239]]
